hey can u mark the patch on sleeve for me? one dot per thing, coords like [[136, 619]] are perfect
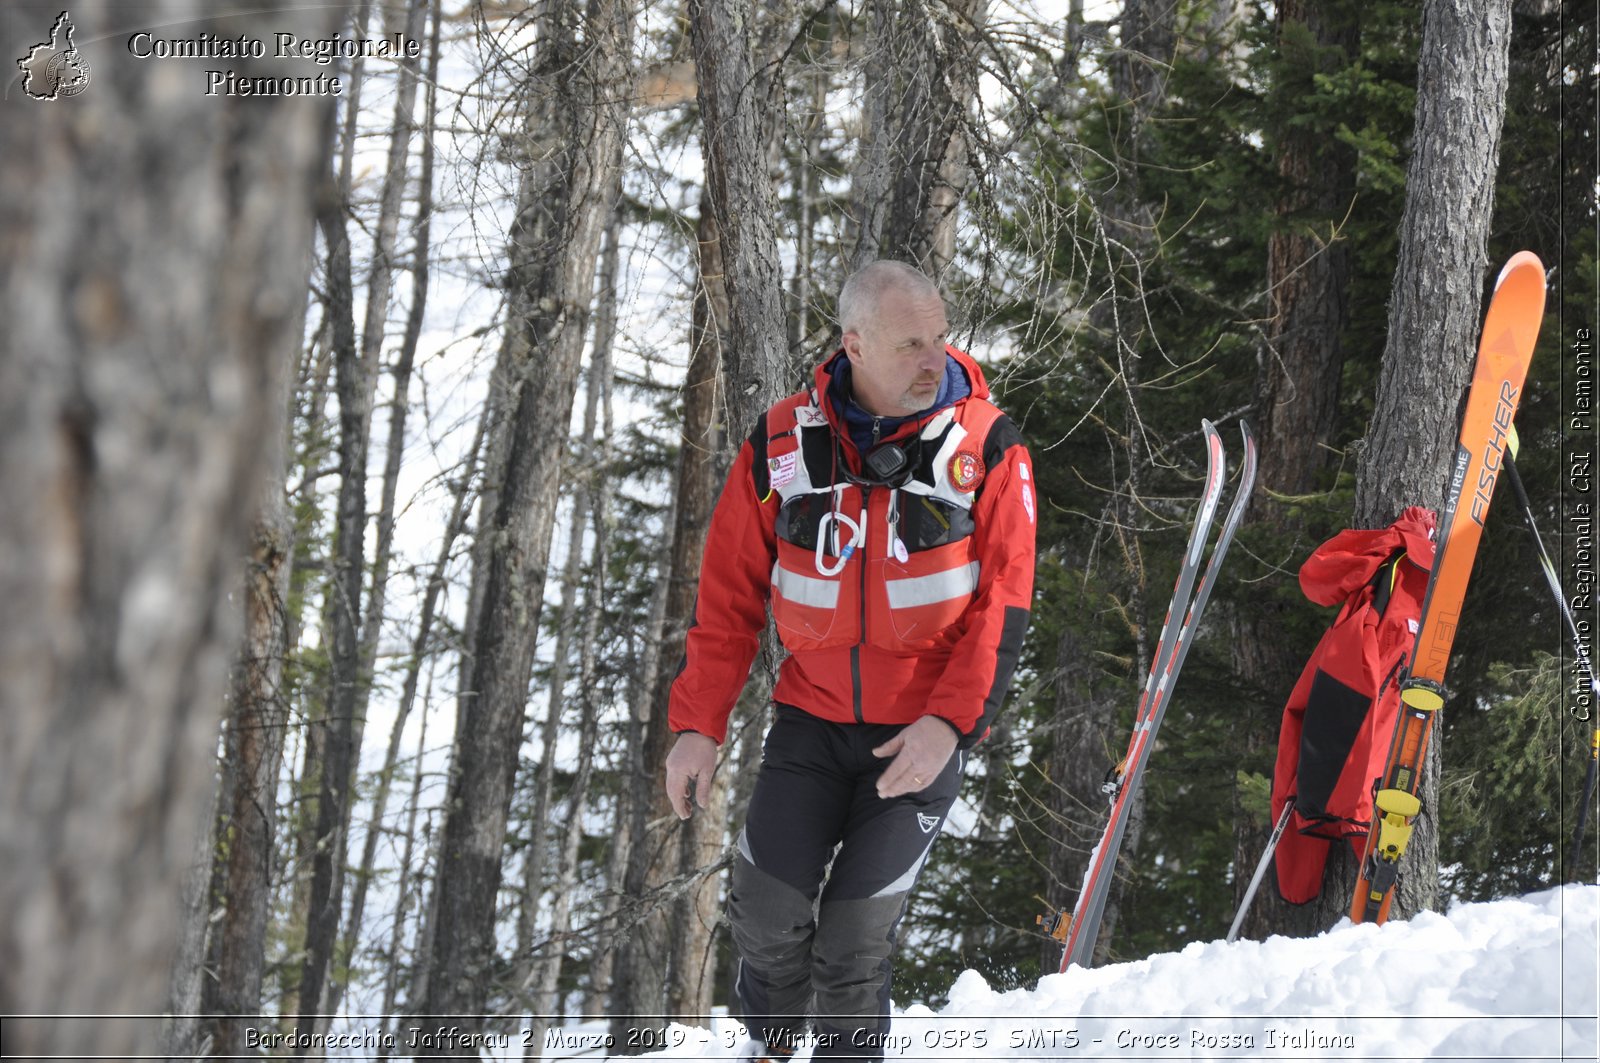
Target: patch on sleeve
[[966, 471], [1027, 501]]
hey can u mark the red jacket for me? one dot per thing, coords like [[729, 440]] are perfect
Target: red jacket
[[894, 602], [1336, 727]]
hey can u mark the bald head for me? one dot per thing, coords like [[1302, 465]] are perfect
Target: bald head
[[894, 331], [864, 290]]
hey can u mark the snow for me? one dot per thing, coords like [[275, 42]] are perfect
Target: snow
[[1513, 979]]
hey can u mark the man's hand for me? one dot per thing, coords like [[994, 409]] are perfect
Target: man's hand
[[920, 753], [692, 760]]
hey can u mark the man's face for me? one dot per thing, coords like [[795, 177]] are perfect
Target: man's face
[[897, 357]]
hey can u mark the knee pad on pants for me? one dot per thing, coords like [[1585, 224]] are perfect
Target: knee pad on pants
[[854, 942], [772, 926]]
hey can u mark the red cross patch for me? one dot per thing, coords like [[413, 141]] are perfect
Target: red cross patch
[[966, 471]]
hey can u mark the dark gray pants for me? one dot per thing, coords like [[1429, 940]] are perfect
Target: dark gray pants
[[816, 937]]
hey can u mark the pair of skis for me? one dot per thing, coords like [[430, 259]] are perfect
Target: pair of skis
[[1079, 932]]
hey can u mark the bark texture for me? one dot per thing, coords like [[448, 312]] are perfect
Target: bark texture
[[921, 82], [694, 917], [735, 112], [154, 251], [257, 725]]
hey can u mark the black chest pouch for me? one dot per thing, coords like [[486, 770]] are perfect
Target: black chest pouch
[[887, 464]]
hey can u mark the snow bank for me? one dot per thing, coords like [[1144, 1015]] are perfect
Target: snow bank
[[1507, 980]]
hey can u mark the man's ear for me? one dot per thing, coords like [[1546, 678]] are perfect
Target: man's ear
[[851, 341]]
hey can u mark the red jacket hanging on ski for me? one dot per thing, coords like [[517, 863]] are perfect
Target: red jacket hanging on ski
[[1338, 720], [894, 602]]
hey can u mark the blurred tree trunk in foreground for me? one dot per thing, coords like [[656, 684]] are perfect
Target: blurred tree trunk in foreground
[[138, 372]]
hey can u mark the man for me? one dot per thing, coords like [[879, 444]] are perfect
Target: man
[[887, 514]]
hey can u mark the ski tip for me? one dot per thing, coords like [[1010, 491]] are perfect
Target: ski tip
[[1520, 260], [1248, 473], [1214, 450]]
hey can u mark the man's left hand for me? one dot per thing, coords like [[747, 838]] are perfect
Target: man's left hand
[[920, 752]]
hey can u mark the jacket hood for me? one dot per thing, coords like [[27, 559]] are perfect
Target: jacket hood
[[962, 380], [1344, 564]]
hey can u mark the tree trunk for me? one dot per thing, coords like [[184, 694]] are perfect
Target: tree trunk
[[1434, 316], [807, 327], [183, 1036], [737, 129], [570, 625], [309, 425], [257, 727], [308, 565], [142, 351], [354, 635], [1084, 721], [404, 362], [1138, 79], [697, 913], [921, 82], [577, 99], [1308, 277], [547, 972], [648, 968], [589, 471], [408, 873], [637, 792], [589, 501], [329, 769]]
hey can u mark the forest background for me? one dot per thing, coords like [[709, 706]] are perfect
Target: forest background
[[367, 446]]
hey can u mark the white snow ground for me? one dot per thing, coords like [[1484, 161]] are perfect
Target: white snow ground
[[1506, 980]]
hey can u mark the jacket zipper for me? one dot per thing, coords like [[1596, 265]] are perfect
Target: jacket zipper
[[866, 551]]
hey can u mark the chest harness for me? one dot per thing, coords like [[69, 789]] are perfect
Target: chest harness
[[885, 556]]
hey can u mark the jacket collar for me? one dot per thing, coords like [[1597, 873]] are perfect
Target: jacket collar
[[962, 379]]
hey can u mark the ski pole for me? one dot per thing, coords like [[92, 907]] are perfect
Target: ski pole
[[1546, 564], [1261, 870], [1576, 847]]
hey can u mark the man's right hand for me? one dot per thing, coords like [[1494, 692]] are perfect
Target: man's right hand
[[691, 762]]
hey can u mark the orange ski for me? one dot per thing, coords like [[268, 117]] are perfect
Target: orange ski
[[1506, 347]]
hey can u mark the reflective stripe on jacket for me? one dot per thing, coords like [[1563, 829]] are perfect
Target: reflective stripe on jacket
[[895, 600]]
